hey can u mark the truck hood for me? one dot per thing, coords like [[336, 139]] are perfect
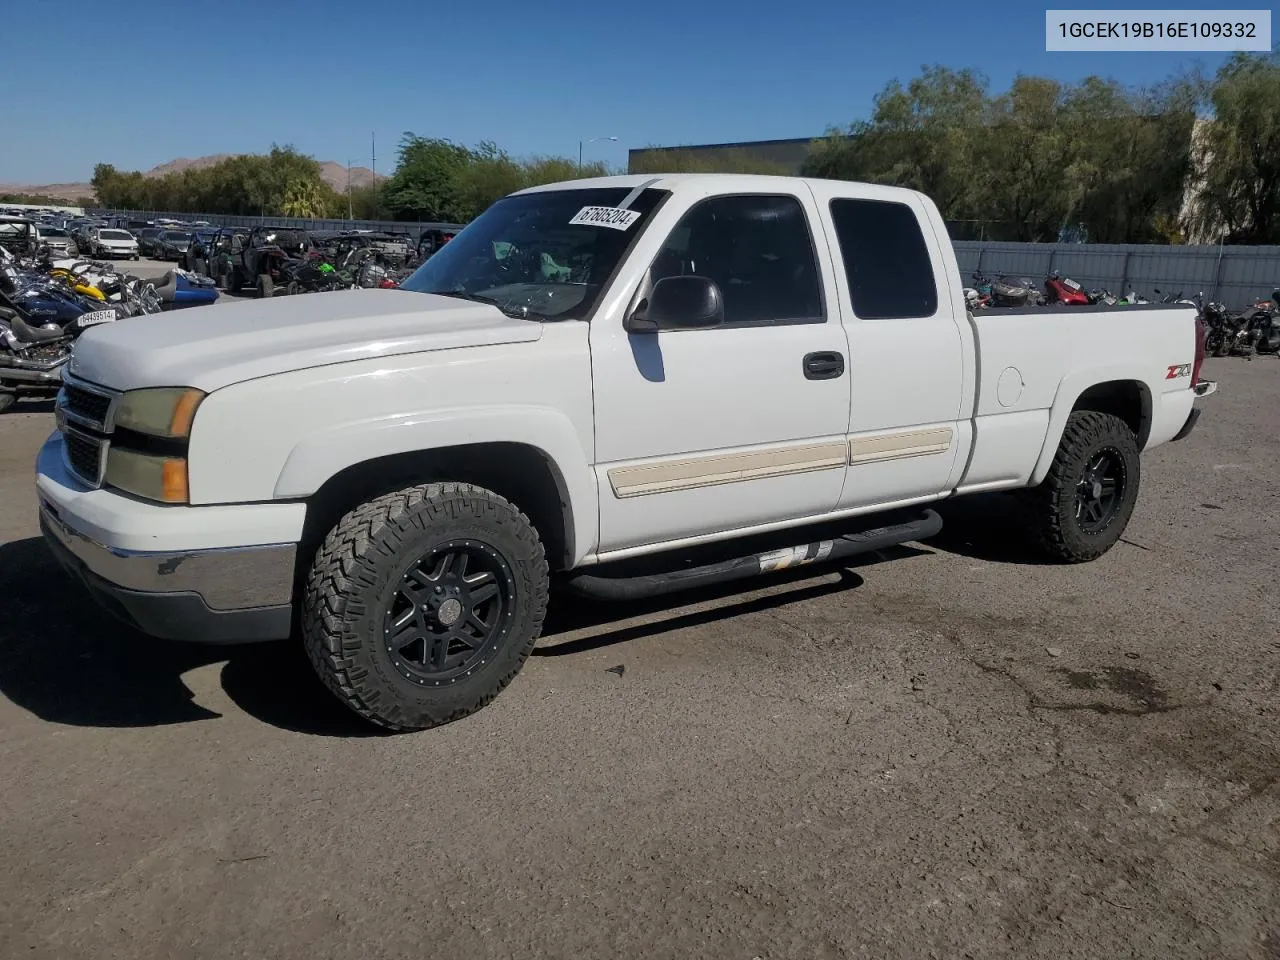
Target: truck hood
[[215, 346]]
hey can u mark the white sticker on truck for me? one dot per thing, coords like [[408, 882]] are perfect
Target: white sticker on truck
[[615, 218]]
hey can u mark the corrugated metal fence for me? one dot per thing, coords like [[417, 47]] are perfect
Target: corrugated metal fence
[[414, 227], [1232, 275]]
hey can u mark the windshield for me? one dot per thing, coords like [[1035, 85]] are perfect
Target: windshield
[[52, 232], [527, 251], [114, 235], [171, 235]]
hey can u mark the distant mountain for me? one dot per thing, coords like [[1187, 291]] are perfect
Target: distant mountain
[[334, 174]]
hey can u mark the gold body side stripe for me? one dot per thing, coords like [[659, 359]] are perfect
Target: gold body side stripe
[[694, 472], [892, 446]]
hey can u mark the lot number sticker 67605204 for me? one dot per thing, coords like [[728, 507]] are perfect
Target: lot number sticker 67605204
[[615, 218]]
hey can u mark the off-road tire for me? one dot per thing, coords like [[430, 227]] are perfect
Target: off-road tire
[[7, 400], [266, 286], [1051, 512], [357, 570]]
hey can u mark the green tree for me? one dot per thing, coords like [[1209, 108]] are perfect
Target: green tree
[[926, 135], [1238, 152], [425, 185]]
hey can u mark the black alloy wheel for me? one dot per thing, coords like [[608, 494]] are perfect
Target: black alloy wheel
[[449, 613], [1100, 491]]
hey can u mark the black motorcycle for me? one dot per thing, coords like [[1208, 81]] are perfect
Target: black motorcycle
[[31, 356], [1218, 329], [1264, 323], [1016, 292]]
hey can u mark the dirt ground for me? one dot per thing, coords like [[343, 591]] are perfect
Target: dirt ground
[[950, 752]]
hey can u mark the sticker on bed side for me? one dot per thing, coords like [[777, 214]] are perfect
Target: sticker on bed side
[[615, 218]]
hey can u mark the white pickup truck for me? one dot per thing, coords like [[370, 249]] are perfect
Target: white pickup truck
[[633, 384]]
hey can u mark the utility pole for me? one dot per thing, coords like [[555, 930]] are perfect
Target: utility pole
[[349, 215]]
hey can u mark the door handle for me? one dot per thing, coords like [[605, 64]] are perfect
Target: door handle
[[824, 365]]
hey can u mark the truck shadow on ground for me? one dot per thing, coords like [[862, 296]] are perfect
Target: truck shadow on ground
[[985, 526], [66, 661]]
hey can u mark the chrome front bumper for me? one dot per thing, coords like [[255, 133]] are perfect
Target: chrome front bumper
[[227, 595]]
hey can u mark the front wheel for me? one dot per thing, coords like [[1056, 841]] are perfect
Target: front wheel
[[1084, 504], [7, 400], [422, 605], [266, 286]]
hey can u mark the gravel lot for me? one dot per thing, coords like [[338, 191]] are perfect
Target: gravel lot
[[953, 754]]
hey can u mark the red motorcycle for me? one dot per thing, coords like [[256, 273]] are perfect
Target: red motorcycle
[[1064, 290]]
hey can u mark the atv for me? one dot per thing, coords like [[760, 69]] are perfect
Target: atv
[[261, 257]]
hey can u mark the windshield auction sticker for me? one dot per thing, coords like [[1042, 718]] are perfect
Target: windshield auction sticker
[[615, 218], [1117, 31]]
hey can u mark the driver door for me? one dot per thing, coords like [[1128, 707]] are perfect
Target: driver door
[[704, 430]]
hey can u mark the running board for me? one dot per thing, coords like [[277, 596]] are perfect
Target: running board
[[851, 544]]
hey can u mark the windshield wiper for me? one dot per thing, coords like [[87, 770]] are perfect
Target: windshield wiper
[[515, 311]]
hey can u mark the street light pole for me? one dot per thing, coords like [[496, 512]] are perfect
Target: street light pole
[[592, 140]]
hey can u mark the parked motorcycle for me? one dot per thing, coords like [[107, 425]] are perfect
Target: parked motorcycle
[[181, 288], [1218, 330], [33, 353], [1015, 292], [1265, 326], [1064, 290]]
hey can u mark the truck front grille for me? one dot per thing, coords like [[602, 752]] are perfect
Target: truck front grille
[[86, 455], [87, 405]]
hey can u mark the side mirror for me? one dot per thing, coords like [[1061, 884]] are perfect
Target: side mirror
[[679, 303]]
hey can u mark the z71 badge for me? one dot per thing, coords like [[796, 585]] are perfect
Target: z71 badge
[[1178, 370]]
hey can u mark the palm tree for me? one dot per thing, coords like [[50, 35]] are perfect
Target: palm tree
[[303, 198]]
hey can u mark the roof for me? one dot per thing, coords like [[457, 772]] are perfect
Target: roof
[[713, 182]]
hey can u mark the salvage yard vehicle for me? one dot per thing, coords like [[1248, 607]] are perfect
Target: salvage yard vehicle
[[635, 384], [172, 244], [259, 257], [108, 242], [19, 236]]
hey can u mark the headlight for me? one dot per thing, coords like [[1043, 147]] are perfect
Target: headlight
[[159, 411], [147, 475]]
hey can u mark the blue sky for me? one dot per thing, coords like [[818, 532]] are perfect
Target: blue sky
[[534, 77]]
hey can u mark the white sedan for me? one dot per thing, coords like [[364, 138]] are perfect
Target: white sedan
[[115, 243]]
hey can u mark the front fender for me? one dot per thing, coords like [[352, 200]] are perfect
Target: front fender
[[1070, 390], [322, 455]]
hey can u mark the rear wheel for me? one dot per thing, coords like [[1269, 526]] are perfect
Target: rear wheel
[[1084, 504], [422, 605], [266, 286], [7, 400]]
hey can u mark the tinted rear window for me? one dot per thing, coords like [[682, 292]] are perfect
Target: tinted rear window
[[886, 260]]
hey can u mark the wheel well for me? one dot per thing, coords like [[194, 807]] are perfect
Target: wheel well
[[520, 473], [1127, 399]]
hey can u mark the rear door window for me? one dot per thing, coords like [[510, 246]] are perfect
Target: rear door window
[[886, 260]]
